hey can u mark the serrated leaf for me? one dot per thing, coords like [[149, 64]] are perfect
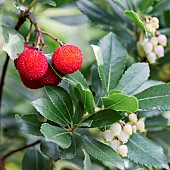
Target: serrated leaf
[[134, 77], [57, 135], [61, 100], [87, 161], [121, 102], [133, 16], [80, 83], [14, 42], [102, 152], [79, 112], [114, 57], [48, 110], [148, 153], [34, 160], [70, 152], [103, 118], [50, 149], [29, 124], [155, 98]]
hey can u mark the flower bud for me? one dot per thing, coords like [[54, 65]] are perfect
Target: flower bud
[[159, 51], [134, 128], [133, 118], [162, 39], [154, 41], [155, 19], [155, 22], [148, 47], [123, 150], [108, 135], [149, 27], [123, 136], [114, 144], [128, 129], [140, 125], [116, 129], [151, 58]]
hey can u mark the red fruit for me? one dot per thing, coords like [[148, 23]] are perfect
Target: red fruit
[[67, 59], [31, 64], [32, 84], [51, 77]]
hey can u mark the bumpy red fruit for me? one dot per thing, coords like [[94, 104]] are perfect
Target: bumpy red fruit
[[32, 84], [51, 78], [32, 64], [67, 59]]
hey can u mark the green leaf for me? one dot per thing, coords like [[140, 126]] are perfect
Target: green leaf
[[14, 42], [49, 2], [121, 102], [80, 83], [146, 6], [161, 6], [155, 98], [114, 57], [79, 112], [87, 161], [70, 152], [50, 149], [102, 152], [34, 160], [29, 124], [57, 135], [103, 118], [148, 153], [61, 100], [100, 64], [49, 111], [133, 16], [134, 77]]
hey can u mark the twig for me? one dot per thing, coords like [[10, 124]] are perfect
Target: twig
[[20, 149], [53, 37], [29, 34]]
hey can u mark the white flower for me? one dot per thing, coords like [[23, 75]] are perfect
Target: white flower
[[134, 128], [128, 129], [133, 118], [108, 135], [123, 150], [148, 47], [114, 144], [154, 41], [140, 125], [123, 136], [116, 129], [162, 39], [155, 22], [149, 27], [159, 51], [151, 58], [155, 19]]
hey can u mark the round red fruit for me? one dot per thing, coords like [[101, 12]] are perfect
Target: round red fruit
[[67, 59], [32, 64]]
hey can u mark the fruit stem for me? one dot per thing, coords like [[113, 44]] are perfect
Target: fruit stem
[[20, 149], [53, 37], [29, 34]]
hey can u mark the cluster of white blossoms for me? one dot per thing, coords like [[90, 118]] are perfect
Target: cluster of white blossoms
[[119, 133], [152, 48]]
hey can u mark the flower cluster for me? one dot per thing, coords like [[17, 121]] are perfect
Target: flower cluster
[[119, 133], [152, 48]]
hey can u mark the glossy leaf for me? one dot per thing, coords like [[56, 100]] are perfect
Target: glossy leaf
[[148, 153], [49, 111], [78, 113], [103, 118], [134, 77], [57, 135], [14, 42], [114, 57], [155, 98], [34, 160], [29, 124], [102, 152], [61, 100], [87, 161], [121, 102]]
